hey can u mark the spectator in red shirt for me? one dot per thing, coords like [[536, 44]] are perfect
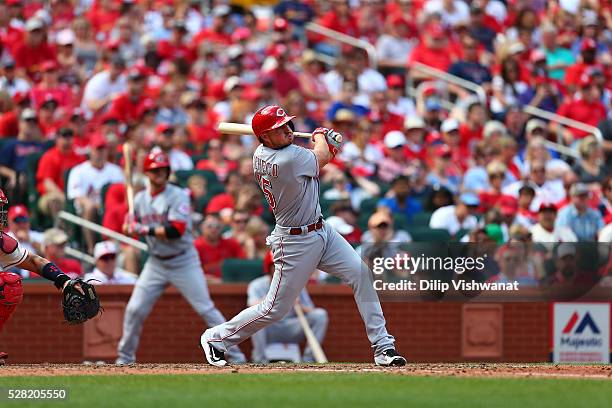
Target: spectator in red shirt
[[103, 15], [496, 171], [50, 87], [586, 108], [588, 51], [176, 46], [34, 50], [284, 79], [216, 162], [128, 105], [54, 242], [227, 200], [340, 19], [51, 170], [432, 50], [10, 36], [9, 120], [199, 125], [217, 33], [471, 129], [213, 249], [49, 118], [379, 111]]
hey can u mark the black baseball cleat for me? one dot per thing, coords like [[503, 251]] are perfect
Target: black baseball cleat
[[389, 358], [213, 356]]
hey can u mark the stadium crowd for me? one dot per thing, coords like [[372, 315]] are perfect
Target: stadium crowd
[[439, 163]]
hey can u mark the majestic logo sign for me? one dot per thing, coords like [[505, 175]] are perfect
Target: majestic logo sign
[[581, 332]]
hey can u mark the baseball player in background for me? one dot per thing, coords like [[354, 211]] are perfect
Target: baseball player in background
[[301, 241], [14, 255], [162, 216]]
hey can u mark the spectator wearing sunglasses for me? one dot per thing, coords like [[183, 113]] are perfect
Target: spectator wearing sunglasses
[[106, 271]]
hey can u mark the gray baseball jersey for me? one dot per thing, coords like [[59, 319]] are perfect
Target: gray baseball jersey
[[173, 261], [172, 204], [289, 180]]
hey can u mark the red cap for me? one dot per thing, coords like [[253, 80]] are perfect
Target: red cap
[[162, 127], [537, 55], [399, 20], [547, 206], [268, 118], [508, 205], [442, 150], [267, 262], [20, 97], [49, 65], [112, 44], [394, 81], [588, 44], [436, 31], [280, 24], [98, 140], [156, 159], [147, 105], [278, 50], [585, 81], [251, 93], [109, 116], [13, 2], [241, 33], [18, 211]]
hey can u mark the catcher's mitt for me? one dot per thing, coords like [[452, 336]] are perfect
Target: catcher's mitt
[[80, 306]]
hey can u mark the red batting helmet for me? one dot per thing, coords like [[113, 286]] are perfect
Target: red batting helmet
[[156, 160], [268, 118], [3, 211]]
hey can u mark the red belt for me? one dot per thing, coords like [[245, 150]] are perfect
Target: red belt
[[312, 227]]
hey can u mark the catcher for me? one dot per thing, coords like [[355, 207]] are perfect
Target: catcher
[[80, 301]]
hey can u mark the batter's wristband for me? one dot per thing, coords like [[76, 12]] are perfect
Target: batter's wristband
[[53, 273]]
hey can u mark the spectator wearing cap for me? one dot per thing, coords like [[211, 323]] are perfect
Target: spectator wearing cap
[[566, 271], [106, 271], [458, 216], [217, 33], [70, 69], [169, 109], [469, 67], [585, 107], [433, 50], [166, 138], [441, 171], [584, 221], [591, 168], [450, 133], [86, 180], [200, 122], [283, 77], [288, 329], [233, 88], [546, 232], [78, 125], [590, 30], [338, 18], [177, 46], [395, 162], [19, 227], [12, 83], [415, 131], [345, 229], [49, 116], [297, 13], [398, 103], [128, 105], [588, 52], [54, 242], [213, 249], [34, 50], [51, 170], [399, 200], [9, 119], [362, 155], [545, 190], [104, 86], [379, 112], [394, 46], [513, 266], [311, 83], [383, 235], [104, 16], [13, 155]]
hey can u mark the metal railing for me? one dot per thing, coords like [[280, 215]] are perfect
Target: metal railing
[[346, 39], [452, 79], [102, 230]]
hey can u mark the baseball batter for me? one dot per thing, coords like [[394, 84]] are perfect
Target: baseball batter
[[162, 216], [301, 242], [11, 291]]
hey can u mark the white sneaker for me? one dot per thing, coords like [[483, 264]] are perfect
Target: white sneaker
[[213, 356], [389, 358]]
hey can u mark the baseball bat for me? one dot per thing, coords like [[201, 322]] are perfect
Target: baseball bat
[[129, 187], [230, 128], [313, 343]]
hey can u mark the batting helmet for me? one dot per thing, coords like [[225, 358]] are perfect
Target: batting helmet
[[156, 159], [3, 211], [268, 118]]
